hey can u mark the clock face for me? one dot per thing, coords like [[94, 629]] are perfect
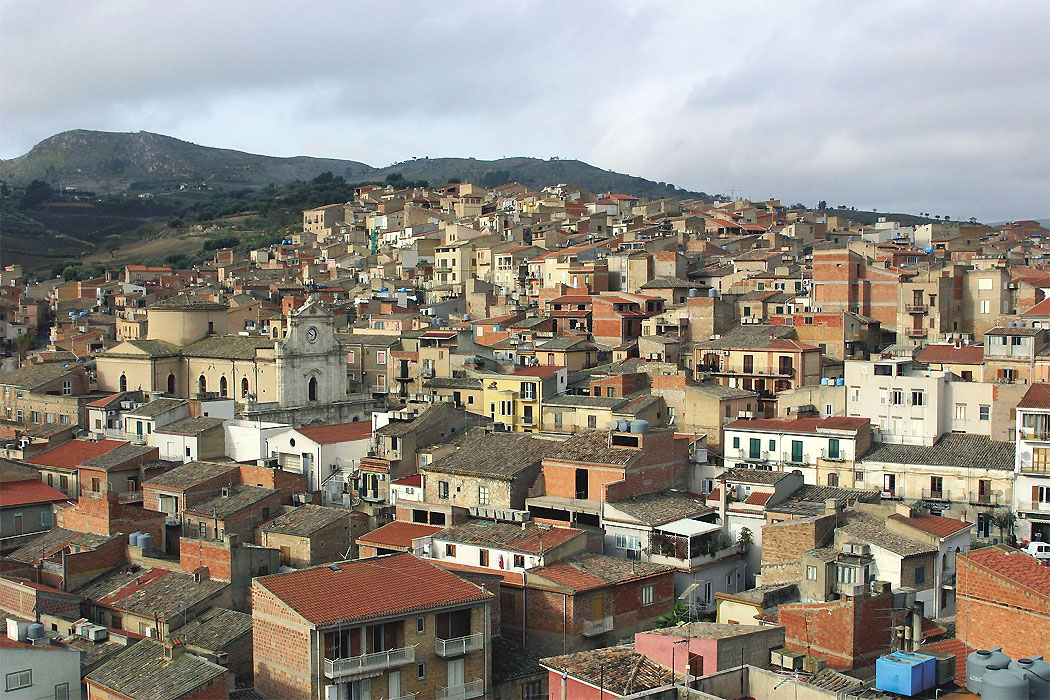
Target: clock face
[[311, 334]]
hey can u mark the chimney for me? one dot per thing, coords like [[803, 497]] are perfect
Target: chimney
[[832, 506], [173, 648], [904, 509]]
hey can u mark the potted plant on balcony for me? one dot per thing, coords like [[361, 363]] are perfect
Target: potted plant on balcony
[[745, 539]]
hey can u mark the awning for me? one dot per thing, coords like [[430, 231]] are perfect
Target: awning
[[688, 528], [1041, 517]]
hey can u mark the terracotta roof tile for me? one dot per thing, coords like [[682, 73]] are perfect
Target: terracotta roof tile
[[592, 571], [945, 353], [338, 432], [394, 585], [933, 524], [1037, 396], [1013, 565], [70, 454], [19, 493], [398, 534]]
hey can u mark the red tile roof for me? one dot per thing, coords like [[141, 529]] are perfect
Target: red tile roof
[[1041, 309], [1037, 396], [758, 498], [1013, 565], [69, 454], [798, 425], [413, 480], [947, 353], [106, 400], [398, 534], [398, 584], [338, 432], [933, 524], [22, 493]]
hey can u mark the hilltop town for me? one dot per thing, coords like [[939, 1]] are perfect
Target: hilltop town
[[500, 442]]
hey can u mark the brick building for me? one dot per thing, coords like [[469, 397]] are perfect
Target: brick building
[[308, 535], [236, 510], [843, 280], [153, 670], [592, 601], [1003, 600], [388, 626]]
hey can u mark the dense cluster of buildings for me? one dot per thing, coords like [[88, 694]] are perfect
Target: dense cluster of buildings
[[461, 442]]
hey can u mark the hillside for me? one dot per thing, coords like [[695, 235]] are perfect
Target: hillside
[[108, 163]]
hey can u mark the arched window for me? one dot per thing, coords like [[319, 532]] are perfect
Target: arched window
[[223, 387], [202, 385], [123, 382], [171, 382], [313, 389], [244, 386]]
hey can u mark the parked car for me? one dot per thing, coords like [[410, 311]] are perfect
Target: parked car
[[1039, 550]]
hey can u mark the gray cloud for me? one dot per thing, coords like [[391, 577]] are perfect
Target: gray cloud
[[897, 105]]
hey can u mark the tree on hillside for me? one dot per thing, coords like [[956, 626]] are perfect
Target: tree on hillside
[[23, 344], [36, 192]]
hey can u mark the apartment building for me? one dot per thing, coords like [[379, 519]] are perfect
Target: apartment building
[[394, 627], [824, 450], [516, 400], [1012, 354], [1031, 467], [908, 403]]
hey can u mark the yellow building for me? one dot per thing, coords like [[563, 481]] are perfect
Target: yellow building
[[516, 400]]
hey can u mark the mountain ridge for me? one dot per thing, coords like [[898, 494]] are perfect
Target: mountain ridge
[[109, 162]]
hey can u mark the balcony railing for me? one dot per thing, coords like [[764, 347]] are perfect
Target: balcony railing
[[380, 389], [592, 628], [985, 499], [917, 332], [426, 372], [376, 661], [948, 578], [1041, 434], [916, 308], [474, 689], [789, 459], [826, 454], [1040, 505], [458, 646], [893, 494], [937, 494]]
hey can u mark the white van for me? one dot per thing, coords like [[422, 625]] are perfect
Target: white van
[[1039, 550]]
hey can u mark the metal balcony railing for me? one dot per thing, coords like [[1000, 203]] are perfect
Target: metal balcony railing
[[916, 308], [893, 494], [457, 646], [985, 499], [789, 459], [917, 332], [474, 689], [1029, 433], [592, 628], [937, 494], [376, 661]]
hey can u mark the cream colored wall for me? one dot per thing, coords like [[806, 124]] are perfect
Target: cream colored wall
[[738, 613], [183, 327]]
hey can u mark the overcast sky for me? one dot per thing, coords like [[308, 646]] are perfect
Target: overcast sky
[[940, 107]]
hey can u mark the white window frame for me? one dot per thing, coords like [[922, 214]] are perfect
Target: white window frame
[[648, 594]]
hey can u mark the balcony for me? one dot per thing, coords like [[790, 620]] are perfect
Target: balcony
[[948, 579], [792, 459], [917, 333], [380, 389], [916, 308], [426, 372], [474, 689], [838, 457], [376, 661], [986, 499], [592, 628], [936, 494], [458, 646], [892, 494], [1041, 506], [1030, 433]]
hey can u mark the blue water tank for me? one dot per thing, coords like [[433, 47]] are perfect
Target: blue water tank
[[145, 540], [1001, 683], [824, 381], [1038, 672], [35, 631], [133, 539], [897, 675], [383, 289], [639, 426], [979, 660], [840, 382], [927, 663], [929, 249]]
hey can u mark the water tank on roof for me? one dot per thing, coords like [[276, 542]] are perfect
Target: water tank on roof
[[466, 317], [979, 660], [36, 631], [1038, 672], [929, 249], [694, 292], [133, 539], [145, 540], [623, 425], [83, 313], [839, 381], [712, 292], [640, 426], [383, 289], [1001, 683], [824, 381]]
